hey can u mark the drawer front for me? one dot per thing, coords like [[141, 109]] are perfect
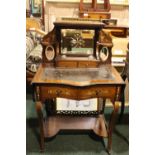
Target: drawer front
[[86, 64], [98, 92], [68, 64], [55, 91], [77, 94]]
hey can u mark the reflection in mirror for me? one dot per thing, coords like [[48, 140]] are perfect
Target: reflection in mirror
[[104, 54], [49, 53], [77, 42]]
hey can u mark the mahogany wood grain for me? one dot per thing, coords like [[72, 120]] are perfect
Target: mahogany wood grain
[[77, 63], [52, 91], [68, 64], [40, 119], [112, 125]]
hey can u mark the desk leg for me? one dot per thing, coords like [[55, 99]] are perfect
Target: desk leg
[[112, 125], [122, 99], [40, 118], [103, 105]]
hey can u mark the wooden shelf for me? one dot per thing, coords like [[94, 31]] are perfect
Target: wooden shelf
[[53, 124]]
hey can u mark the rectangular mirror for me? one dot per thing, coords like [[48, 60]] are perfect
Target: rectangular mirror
[[77, 42]]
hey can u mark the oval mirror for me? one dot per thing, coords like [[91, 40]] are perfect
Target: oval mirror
[[104, 54], [49, 53]]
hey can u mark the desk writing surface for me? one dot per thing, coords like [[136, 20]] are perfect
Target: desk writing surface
[[78, 74], [105, 74]]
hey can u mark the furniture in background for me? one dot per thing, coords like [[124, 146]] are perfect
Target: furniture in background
[[76, 65], [94, 12], [34, 35], [35, 8], [120, 38], [112, 32]]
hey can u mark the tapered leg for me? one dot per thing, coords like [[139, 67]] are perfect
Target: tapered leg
[[112, 125], [40, 119], [103, 105], [122, 107], [122, 99]]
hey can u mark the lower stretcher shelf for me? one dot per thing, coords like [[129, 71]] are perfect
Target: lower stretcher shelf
[[53, 124]]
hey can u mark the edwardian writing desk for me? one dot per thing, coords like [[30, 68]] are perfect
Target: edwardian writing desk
[[82, 83], [78, 69]]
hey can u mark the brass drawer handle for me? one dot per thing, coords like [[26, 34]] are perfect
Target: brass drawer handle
[[67, 93], [87, 64], [58, 92], [97, 92], [49, 91], [105, 91]]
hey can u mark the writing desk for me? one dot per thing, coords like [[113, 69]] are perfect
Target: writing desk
[[79, 84]]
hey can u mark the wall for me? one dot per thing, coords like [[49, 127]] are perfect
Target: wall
[[27, 5]]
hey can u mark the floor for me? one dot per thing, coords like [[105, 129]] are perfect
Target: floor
[[75, 143]]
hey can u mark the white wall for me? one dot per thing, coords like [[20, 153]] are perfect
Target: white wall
[[27, 5]]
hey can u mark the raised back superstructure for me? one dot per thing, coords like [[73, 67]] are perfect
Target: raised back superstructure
[[76, 42]]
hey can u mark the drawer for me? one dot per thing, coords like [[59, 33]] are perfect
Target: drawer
[[48, 92], [68, 64], [98, 92], [85, 64]]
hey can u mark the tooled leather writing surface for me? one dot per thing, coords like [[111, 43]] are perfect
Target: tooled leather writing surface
[[104, 74], [78, 74]]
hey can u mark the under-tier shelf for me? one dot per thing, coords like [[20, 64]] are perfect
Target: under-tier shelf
[[53, 124]]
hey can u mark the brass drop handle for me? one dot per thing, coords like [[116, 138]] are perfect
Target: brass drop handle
[[58, 92], [97, 92], [49, 91], [87, 64]]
